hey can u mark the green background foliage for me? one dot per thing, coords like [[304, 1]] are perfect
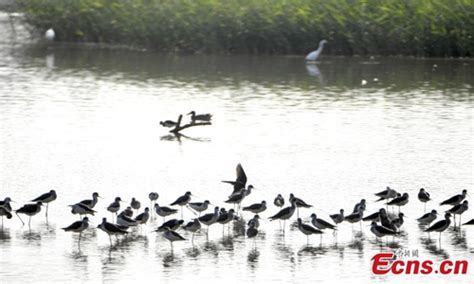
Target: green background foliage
[[371, 27]]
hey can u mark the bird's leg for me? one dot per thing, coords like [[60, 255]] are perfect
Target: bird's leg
[[181, 212], [223, 226], [360, 225], [29, 223], [47, 206], [284, 221], [110, 240], [424, 210], [454, 220], [460, 222], [20, 219], [307, 240]]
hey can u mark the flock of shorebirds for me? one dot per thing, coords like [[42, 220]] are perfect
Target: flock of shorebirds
[[382, 223]]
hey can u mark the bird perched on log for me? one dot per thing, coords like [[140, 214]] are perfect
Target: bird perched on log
[[201, 117], [168, 123]]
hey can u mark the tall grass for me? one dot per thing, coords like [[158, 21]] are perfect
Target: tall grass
[[376, 27]]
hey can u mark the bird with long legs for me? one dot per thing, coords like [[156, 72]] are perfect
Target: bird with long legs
[[81, 209], [308, 230], [78, 227], [456, 199], [225, 218], [164, 211], [172, 236], [91, 202], [46, 198], [424, 197], [29, 210], [440, 226], [199, 206], [252, 232], [399, 201], [111, 229], [427, 218], [321, 224], [192, 226], [458, 210], [153, 196], [114, 207], [285, 214], [209, 219], [256, 208], [182, 201], [299, 203], [381, 231], [5, 209]]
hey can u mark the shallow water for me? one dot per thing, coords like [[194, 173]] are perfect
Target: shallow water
[[80, 119]]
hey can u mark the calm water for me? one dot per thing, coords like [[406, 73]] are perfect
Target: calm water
[[81, 119]]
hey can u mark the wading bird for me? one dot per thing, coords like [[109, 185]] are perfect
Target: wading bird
[[240, 181], [440, 226], [257, 207], [29, 210], [427, 218], [456, 199], [313, 56], [164, 211], [78, 227], [308, 230], [91, 202], [285, 214], [172, 236], [46, 198], [182, 201], [111, 229], [424, 197]]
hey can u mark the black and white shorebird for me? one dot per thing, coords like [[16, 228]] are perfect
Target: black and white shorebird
[[199, 206], [321, 224], [388, 193], [209, 219], [128, 211], [385, 220], [81, 209], [285, 214], [456, 199], [252, 232], [398, 222], [172, 236], [458, 210], [361, 206], [91, 202], [225, 217], [237, 198], [192, 226], [5, 209], [240, 180], [135, 204], [143, 217], [279, 201], [125, 222], [46, 198], [257, 207], [399, 201], [354, 218], [470, 222], [114, 207], [424, 197], [254, 222], [111, 229], [182, 201], [172, 224], [78, 227], [427, 218], [373, 217], [29, 210], [440, 226], [380, 231], [299, 203], [168, 123], [200, 117], [337, 218], [307, 230], [164, 211]]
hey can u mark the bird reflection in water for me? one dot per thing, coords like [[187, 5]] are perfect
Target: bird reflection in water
[[211, 247], [458, 238], [178, 137], [252, 257], [228, 242], [239, 227], [5, 234], [312, 250], [193, 252], [313, 71]]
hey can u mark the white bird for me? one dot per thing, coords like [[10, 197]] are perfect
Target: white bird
[[50, 34], [313, 56]]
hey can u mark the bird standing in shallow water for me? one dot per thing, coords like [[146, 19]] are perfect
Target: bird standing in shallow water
[[252, 232], [153, 196], [440, 226], [313, 56], [5, 209], [172, 236], [199, 206], [29, 210], [299, 203], [424, 197], [111, 229], [307, 230], [78, 227], [192, 227], [458, 210], [456, 199], [338, 218], [46, 198], [164, 211], [427, 218], [182, 201], [399, 201], [209, 219], [279, 201], [285, 214], [135, 204], [91, 202], [380, 231], [114, 207], [81, 209], [257, 207]]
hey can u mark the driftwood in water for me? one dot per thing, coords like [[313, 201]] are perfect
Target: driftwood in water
[[180, 127]]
